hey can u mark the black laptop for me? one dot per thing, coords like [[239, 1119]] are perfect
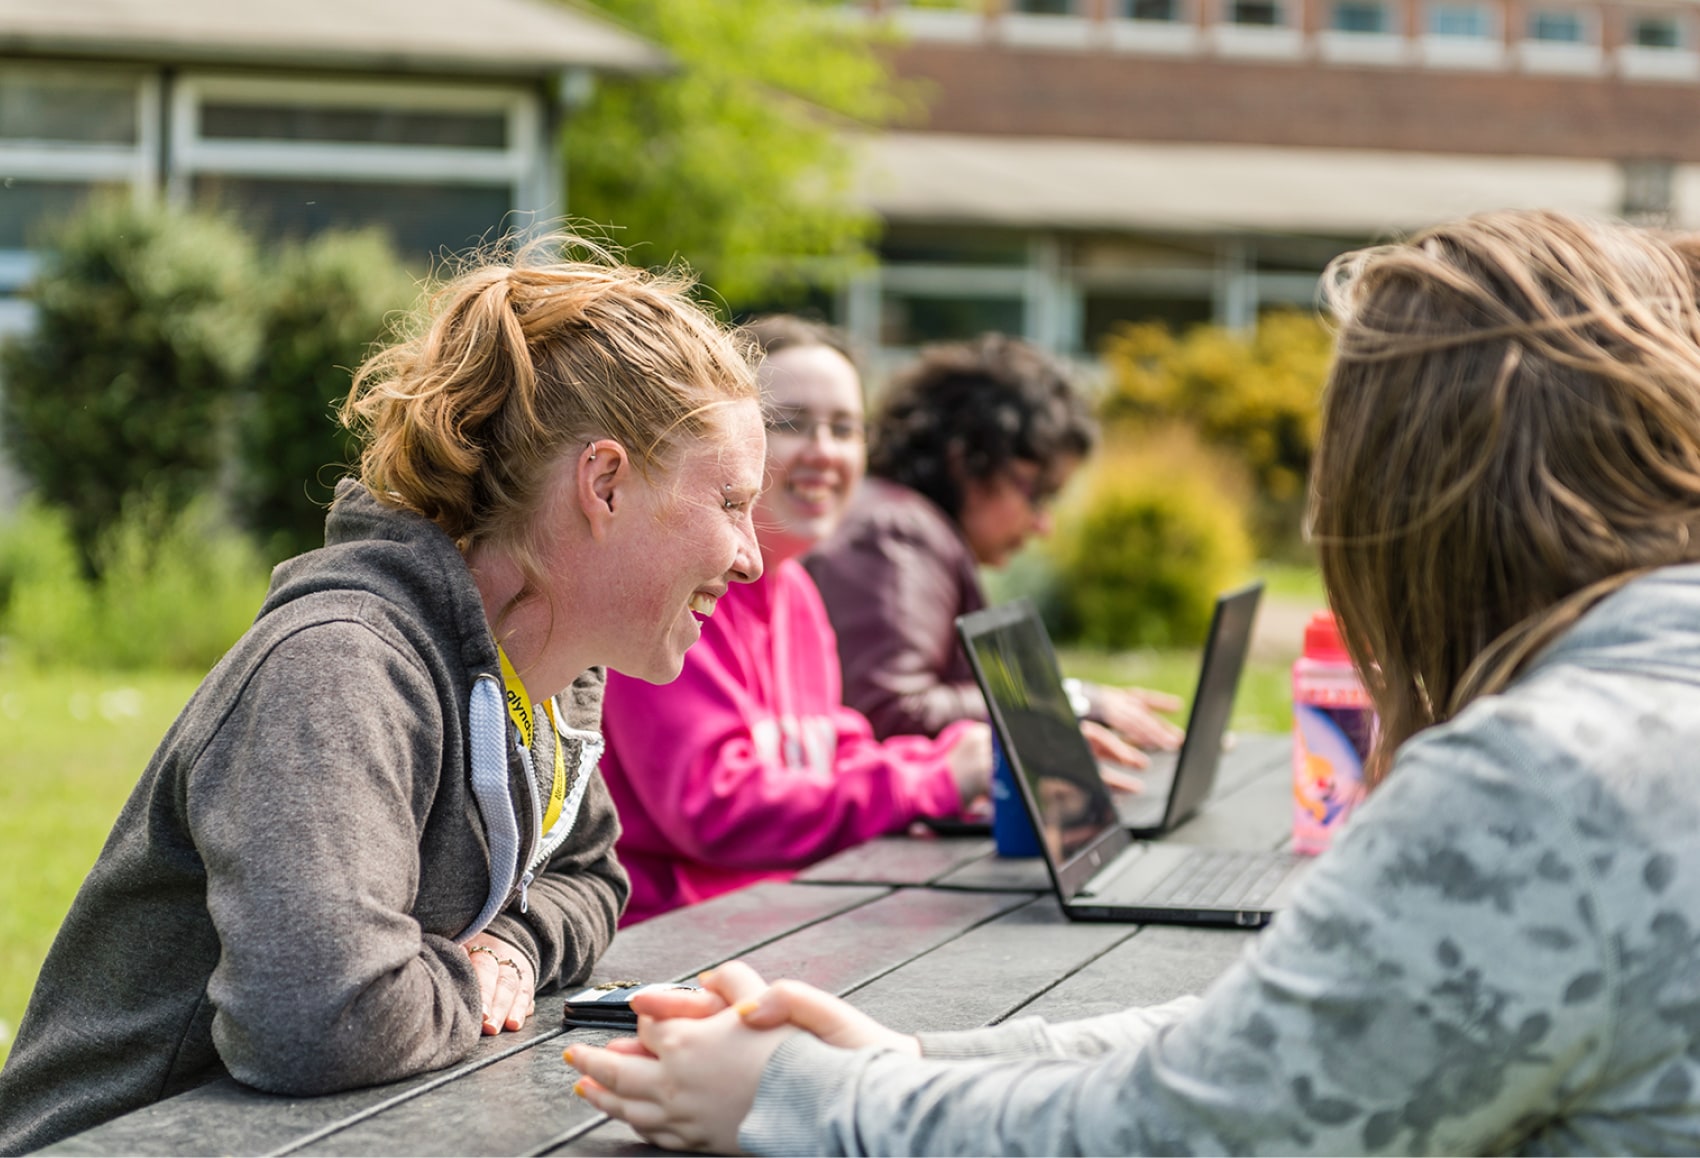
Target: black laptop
[[1176, 783], [1100, 871]]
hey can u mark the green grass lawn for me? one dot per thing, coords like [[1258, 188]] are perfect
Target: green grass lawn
[[74, 744], [1264, 703], [1265, 699]]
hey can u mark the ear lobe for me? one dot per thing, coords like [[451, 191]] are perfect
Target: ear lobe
[[603, 470]]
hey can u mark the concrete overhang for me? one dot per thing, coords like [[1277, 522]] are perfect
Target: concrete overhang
[[483, 38], [1032, 183]]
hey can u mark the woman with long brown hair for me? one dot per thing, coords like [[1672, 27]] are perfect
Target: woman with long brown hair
[[1499, 952]]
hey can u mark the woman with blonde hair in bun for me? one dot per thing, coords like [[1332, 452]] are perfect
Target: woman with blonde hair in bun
[[1499, 954], [377, 829]]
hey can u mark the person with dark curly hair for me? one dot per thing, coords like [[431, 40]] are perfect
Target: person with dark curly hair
[[973, 442]]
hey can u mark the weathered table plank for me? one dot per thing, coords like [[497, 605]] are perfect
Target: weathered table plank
[[859, 945], [999, 874], [678, 945], [897, 860], [1158, 964], [225, 1117], [980, 977]]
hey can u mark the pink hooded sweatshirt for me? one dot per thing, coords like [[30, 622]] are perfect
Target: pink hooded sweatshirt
[[749, 766]]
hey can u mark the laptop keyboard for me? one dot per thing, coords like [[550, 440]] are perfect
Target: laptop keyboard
[[1222, 879]]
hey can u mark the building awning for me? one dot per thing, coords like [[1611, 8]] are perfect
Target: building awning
[[958, 179], [486, 38]]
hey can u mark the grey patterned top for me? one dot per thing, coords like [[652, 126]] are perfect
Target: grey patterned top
[[1501, 955]]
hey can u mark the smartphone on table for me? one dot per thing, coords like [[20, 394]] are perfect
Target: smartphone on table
[[609, 1006]]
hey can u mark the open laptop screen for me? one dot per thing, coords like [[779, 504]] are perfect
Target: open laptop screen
[[1018, 672]]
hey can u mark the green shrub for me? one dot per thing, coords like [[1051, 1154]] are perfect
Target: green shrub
[[1155, 532], [1257, 397], [327, 301], [175, 590], [145, 321]]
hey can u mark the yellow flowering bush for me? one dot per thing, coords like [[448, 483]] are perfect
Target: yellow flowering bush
[[1255, 396], [1154, 530]]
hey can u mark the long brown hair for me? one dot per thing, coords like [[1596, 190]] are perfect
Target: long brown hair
[[1511, 431]]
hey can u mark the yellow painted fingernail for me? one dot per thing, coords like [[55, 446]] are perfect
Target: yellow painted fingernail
[[705, 975], [578, 1087], [567, 1055], [747, 1007]]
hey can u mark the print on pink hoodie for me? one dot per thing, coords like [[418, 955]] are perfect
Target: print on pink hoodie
[[748, 767]]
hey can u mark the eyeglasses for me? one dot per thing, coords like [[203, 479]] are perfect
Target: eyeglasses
[[789, 423], [1038, 493]]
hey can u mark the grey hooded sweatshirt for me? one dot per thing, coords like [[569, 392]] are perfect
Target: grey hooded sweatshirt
[[1500, 955], [282, 897]]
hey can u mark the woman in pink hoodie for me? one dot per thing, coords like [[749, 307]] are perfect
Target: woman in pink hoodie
[[749, 766]]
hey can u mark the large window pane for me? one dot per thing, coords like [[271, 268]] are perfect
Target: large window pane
[[944, 248], [1366, 16], [1469, 21], [1256, 13], [1164, 11], [382, 126], [914, 320], [1655, 31], [424, 220], [85, 110], [26, 206], [1558, 26]]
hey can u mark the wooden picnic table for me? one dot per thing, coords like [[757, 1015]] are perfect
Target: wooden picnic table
[[921, 933]]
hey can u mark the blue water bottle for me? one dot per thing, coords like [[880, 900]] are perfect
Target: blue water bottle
[[1012, 828]]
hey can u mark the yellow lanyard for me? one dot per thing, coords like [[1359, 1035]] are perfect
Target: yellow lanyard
[[519, 710]]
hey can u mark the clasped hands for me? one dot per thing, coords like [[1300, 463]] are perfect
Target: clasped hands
[[689, 1077]]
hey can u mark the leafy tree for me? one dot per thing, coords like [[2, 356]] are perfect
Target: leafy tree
[[328, 300], [145, 320], [736, 160]]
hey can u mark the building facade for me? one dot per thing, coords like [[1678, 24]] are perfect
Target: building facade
[[433, 119], [1085, 162]]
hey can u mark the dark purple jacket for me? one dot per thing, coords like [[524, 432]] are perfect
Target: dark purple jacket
[[894, 578]]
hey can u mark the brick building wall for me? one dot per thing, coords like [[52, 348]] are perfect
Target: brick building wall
[[1011, 90]]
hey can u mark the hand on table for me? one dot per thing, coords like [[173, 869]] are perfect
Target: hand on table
[[507, 986], [1132, 712], [970, 763], [689, 1077], [1110, 748]]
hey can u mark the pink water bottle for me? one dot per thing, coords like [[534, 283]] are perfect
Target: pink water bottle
[[1333, 728]]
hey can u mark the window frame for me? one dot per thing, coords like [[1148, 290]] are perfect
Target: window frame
[[1283, 40], [1484, 50], [1584, 57], [193, 155], [104, 162], [1390, 46]]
